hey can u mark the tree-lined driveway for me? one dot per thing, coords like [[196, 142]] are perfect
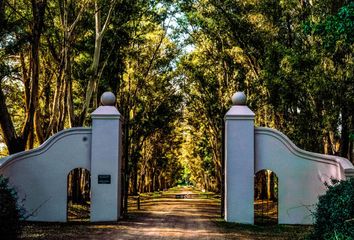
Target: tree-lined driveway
[[177, 214]]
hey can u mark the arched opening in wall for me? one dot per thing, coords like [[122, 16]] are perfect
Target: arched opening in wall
[[265, 197], [79, 195]]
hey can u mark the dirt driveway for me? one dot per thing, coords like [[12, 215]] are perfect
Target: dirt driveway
[[171, 218], [165, 217]]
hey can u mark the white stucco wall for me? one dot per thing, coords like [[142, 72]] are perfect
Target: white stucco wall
[[239, 165], [301, 174], [40, 175], [105, 160]]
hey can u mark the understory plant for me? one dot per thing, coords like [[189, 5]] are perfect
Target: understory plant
[[10, 212], [334, 216]]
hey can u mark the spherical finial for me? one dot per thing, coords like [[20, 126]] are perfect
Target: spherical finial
[[239, 98], [108, 99]]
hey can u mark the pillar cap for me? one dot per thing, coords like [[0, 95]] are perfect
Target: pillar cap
[[107, 110], [108, 99], [239, 110], [239, 98]]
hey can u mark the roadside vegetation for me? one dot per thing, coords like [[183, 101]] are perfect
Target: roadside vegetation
[[10, 211], [173, 66]]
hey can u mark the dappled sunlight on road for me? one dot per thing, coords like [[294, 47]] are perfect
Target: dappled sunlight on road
[[162, 232], [162, 216], [165, 217]]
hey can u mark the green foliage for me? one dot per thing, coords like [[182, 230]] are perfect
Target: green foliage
[[174, 66], [338, 27], [351, 137], [335, 212], [10, 213], [300, 82]]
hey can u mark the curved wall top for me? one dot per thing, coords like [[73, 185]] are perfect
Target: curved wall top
[[343, 163], [302, 174], [40, 175], [8, 160]]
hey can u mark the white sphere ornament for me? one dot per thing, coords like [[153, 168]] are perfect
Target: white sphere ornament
[[108, 99], [239, 98]]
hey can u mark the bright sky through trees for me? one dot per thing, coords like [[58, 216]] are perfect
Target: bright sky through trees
[[174, 66]]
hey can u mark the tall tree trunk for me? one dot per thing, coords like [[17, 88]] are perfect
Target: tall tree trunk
[[67, 64], [67, 93], [52, 126], [135, 176], [268, 173], [273, 183], [126, 163], [2, 12], [38, 127], [92, 85], [38, 10], [13, 143], [263, 179]]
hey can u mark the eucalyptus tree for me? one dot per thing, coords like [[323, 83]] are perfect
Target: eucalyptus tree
[[280, 64], [21, 45], [278, 53], [47, 45], [101, 26], [146, 97], [334, 41]]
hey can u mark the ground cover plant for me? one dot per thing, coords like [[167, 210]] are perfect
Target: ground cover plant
[[335, 212], [10, 213]]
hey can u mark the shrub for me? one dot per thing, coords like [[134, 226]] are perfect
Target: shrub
[[10, 213], [334, 216]]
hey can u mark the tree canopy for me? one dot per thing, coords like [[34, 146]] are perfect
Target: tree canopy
[[174, 66]]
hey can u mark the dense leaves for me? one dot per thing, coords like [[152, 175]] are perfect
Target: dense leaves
[[10, 213], [294, 60], [334, 216], [174, 66], [52, 78]]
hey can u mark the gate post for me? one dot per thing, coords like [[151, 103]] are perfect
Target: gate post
[[239, 161], [105, 161]]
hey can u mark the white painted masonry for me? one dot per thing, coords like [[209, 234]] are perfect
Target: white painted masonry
[[40, 175], [239, 166], [105, 160], [301, 174]]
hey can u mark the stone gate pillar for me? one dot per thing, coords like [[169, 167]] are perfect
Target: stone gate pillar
[[105, 161], [239, 162]]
